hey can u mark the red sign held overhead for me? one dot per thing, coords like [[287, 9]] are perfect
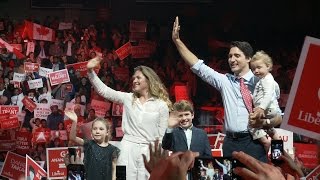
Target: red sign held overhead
[[9, 123], [124, 51], [59, 77], [302, 113], [12, 110], [31, 67], [13, 166], [29, 104]]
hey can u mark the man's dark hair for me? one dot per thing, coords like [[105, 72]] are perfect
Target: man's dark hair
[[244, 46]]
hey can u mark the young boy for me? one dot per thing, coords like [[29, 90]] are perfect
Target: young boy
[[265, 97]]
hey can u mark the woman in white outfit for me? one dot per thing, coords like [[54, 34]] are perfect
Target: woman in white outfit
[[144, 118]]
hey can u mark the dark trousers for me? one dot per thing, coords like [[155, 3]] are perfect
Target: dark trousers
[[245, 144]]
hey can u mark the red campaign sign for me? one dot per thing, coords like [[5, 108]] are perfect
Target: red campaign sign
[[138, 26], [17, 46], [59, 77], [33, 170], [55, 163], [8, 134], [181, 92], [10, 123], [4, 116], [23, 142], [140, 52], [7, 145], [31, 67], [41, 136], [81, 67], [307, 153], [14, 166], [69, 87], [124, 51], [302, 113], [12, 110], [29, 104], [314, 175]]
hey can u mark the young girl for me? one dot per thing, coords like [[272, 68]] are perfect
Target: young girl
[[265, 96], [100, 157]]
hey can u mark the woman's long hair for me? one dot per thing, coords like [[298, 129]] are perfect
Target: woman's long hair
[[156, 87]]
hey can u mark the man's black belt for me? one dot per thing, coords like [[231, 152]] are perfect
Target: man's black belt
[[240, 134]]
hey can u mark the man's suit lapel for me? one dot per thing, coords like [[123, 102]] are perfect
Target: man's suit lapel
[[193, 138]]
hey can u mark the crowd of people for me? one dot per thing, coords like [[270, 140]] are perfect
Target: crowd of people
[[147, 112]]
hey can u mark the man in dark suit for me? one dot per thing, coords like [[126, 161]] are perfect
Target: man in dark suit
[[181, 135]]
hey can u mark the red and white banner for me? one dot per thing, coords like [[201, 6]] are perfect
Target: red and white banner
[[12, 110], [36, 83], [23, 142], [14, 166], [33, 170], [42, 111], [42, 136], [56, 167], [44, 71], [302, 113], [10, 123], [31, 67], [29, 104], [81, 67], [138, 26], [307, 153], [38, 32], [59, 77], [100, 107], [124, 51], [4, 44], [18, 77]]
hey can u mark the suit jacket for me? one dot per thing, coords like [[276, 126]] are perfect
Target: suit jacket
[[177, 141]]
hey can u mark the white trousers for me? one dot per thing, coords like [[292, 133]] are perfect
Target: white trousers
[[131, 157]]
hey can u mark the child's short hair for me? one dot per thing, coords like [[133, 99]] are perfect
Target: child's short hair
[[183, 105], [108, 126], [261, 55]]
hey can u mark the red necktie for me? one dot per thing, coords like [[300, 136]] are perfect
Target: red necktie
[[246, 95]]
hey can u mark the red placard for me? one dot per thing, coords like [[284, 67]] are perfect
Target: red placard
[[124, 51], [307, 153], [55, 163], [23, 142], [9, 123], [59, 77], [302, 113], [181, 92], [4, 116], [14, 166], [29, 104], [31, 67], [81, 67], [7, 145], [17, 46], [33, 170], [12, 110]]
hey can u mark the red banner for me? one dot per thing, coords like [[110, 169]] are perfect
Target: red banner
[[124, 51], [55, 163], [14, 166], [31, 67], [33, 170], [307, 153], [41, 136], [303, 107], [59, 77], [10, 123], [12, 110], [23, 142], [29, 104]]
